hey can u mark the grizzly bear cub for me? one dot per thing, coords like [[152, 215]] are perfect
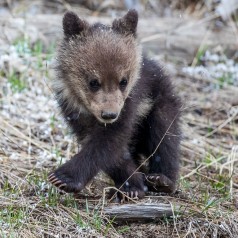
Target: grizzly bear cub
[[121, 107]]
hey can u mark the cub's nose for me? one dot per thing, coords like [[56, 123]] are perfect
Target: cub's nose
[[108, 115]]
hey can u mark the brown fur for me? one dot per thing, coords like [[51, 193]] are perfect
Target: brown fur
[[101, 79], [103, 59]]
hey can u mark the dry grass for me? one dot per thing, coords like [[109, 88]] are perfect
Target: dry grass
[[34, 139]]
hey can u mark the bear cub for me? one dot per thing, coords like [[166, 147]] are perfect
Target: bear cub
[[121, 107]]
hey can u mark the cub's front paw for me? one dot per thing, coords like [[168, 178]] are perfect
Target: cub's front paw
[[66, 178], [160, 183]]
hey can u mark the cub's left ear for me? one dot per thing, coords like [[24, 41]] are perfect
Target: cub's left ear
[[126, 25]]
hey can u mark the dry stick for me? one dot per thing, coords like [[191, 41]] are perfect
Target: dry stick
[[195, 60], [231, 159], [10, 140], [175, 218], [22, 135], [222, 125], [201, 167], [137, 169], [197, 23], [210, 179], [50, 89]]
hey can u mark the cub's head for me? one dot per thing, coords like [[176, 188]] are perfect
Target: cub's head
[[98, 65]]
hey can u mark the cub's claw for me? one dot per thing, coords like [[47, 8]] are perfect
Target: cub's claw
[[159, 183], [127, 196], [55, 181], [51, 176], [62, 185]]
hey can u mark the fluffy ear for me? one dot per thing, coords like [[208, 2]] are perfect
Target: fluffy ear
[[126, 25], [73, 25]]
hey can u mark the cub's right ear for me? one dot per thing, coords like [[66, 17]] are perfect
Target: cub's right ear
[[126, 25], [73, 25]]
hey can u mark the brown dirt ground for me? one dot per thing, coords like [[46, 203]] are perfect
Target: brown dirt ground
[[34, 140]]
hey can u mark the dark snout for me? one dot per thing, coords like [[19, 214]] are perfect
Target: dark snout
[[109, 115]]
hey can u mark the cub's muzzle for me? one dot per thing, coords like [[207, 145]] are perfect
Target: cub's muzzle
[[108, 115]]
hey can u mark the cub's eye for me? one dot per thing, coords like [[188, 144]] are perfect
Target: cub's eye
[[123, 83], [94, 85]]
